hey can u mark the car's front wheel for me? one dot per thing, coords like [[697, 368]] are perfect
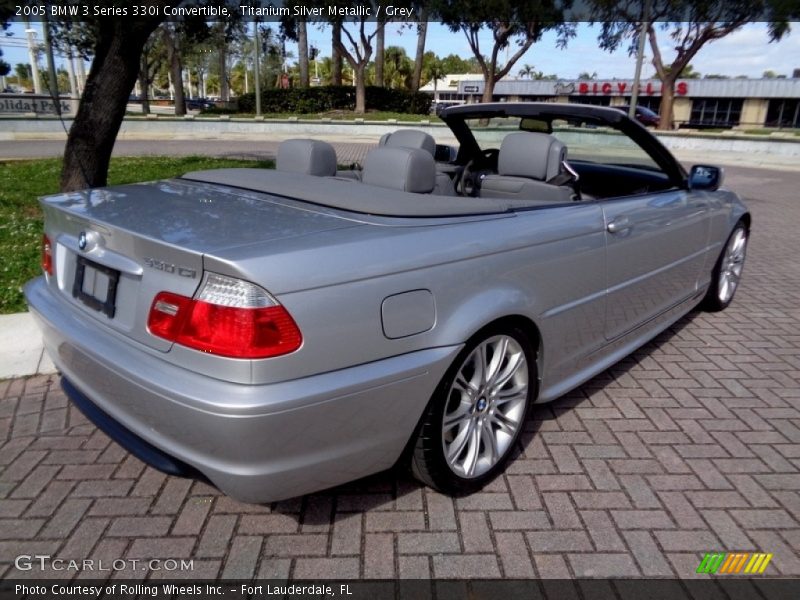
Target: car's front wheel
[[477, 413], [728, 271]]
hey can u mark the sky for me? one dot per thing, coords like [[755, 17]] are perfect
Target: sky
[[745, 52]]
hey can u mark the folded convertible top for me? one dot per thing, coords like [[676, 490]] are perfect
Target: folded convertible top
[[355, 196]]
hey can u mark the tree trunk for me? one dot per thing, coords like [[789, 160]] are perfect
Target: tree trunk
[[144, 83], [665, 115], [302, 52], [488, 89], [380, 53], [336, 56], [176, 70], [224, 88], [361, 89], [102, 108], [420, 55]]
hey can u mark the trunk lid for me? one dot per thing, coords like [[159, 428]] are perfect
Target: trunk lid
[[115, 248]]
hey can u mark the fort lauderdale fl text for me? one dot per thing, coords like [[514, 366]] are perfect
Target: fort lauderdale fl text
[[169, 590], [327, 11]]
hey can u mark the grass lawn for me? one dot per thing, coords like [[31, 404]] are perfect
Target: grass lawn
[[22, 182]]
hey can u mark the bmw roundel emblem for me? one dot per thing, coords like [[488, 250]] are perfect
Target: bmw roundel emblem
[[82, 240]]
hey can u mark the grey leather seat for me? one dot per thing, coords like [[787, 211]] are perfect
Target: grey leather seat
[[409, 138], [526, 162], [414, 138], [310, 157], [404, 169]]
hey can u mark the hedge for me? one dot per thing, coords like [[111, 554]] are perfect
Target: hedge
[[335, 97]]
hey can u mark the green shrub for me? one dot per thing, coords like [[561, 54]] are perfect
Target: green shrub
[[335, 97]]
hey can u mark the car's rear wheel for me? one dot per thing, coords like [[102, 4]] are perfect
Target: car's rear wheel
[[728, 271], [477, 412]]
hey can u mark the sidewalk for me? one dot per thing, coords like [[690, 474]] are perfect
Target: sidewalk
[[22, 353]]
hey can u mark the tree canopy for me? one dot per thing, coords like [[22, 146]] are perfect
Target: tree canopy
[[689, 25], [513, 24]]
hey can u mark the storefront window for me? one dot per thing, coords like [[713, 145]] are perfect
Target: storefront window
[[783, 112], [651, 102], [716, 112]]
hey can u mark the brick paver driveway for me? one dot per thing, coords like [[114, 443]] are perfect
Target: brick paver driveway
[[690, 445]]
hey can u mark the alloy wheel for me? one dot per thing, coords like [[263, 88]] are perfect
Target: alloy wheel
[[485, 406], [731, 267]]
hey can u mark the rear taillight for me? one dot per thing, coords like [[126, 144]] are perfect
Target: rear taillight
[[47, 255], [228, 317]]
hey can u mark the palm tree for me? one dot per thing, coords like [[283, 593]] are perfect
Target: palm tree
[[336, 56], [435, 71], [527, 71], [398, 69], [422, 31], [380, 55], [302, 50]]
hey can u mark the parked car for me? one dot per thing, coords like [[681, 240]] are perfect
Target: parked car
[[283, 331], [198, 103], [644, 115]]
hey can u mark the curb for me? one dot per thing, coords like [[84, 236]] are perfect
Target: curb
[[22, 352]]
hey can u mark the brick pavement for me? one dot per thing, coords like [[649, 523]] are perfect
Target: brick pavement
[[691, 444]]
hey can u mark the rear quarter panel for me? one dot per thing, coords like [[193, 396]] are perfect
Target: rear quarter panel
[[546, 265]]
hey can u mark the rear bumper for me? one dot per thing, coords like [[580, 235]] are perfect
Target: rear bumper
[[258, 443], [145, 452]]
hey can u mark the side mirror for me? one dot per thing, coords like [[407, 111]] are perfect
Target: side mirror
[[445, 153], [705, 177]]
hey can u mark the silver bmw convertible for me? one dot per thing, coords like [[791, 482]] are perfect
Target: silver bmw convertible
[[283, 331]]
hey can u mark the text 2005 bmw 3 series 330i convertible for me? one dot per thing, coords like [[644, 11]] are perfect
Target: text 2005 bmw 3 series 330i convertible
[[283, 331]]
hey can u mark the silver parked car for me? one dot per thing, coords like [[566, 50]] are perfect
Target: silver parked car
[[283, 331]]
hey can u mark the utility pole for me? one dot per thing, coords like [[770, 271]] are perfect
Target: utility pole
[[313, 52], [73, 83], [31, 33], [81, 75], [639, 56]]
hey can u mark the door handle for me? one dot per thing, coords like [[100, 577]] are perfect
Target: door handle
[[619, 225]]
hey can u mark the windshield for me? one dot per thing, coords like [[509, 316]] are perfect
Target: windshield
[[585, 141]]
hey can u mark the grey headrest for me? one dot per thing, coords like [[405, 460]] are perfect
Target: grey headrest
[[405, 169], [409, 138], [311, 157], [529, 154]]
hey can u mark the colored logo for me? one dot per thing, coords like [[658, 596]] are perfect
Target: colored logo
[[734, 563]]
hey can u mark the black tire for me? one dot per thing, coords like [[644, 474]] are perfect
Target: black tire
[[429, 463], [716, 299]]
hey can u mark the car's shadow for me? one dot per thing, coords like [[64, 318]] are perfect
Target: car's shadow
[[396, 486]]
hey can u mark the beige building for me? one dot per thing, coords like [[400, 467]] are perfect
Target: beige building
[[699, 103], [445, 90]]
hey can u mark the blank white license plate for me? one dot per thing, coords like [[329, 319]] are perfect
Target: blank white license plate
[[96, 286]]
